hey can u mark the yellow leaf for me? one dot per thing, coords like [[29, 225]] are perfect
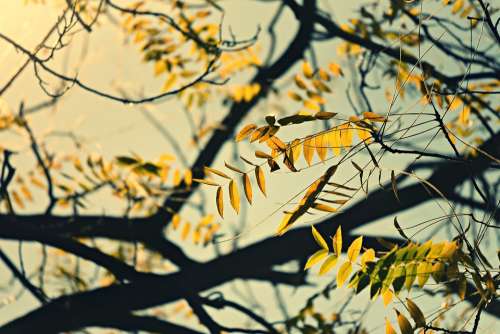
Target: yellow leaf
[[315, 258], [234, 196], [245, 132], [423, 271], [343, 273], [404, 324], [307, 70], [335, 69], [208, 170], [319, 239], [219, 200], [368, 256], [337, 241], [388, 327], [415, 313], [160, 67], [296, 148], [387, 296], [373, 116], [321, 143], [308, 148], [176, 221], [237, 170], [300, 82], [247, 187], [334, 140], [457, 6], [261, 181], [207, 181], [262, 155], [312, 105], [346, 134], [285, 224], [354, 249], [294, 96], [185, 230], [188, 177], [329, 263], [324, 207]]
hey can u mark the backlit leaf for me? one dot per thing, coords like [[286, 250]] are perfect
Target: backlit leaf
[[319, 239], [245, 132], [220, 201], [209, 170], [207, 181], [247, 187], [315, 258], [423, 271], [388, 327], [261, 181], [329, 263], [343, 273], [337, 241], [308, 147], [354, 249], [234, 196]]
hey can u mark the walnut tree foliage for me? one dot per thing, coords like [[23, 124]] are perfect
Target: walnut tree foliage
[[420, 80]]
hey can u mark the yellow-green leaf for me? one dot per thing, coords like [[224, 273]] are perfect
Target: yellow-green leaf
[[315, 258], [329, 263], [415, 313], [318, 238], [423, 271], [354, 249], [234, 196], [343, 273]]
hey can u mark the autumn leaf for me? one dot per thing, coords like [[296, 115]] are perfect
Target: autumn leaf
[[337, 241], [404, 324], [329, 263], [354, 249], [245, 132], [220, 201], [261, 181], [234, 196], [415, 313], [247, 187], [318, 238], [343, 273], [315, 258]]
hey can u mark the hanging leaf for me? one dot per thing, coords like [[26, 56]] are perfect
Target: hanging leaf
[[245, 132], [404, 324], [329, 263], [315, 258], [307, 69], [219, 200], [321, 143], [343, 273], [387, 297], [368, 256], [415, 313], [185, 230], [308, 147], [261, 181], [462, 286], [247, 187], [176, 221], [337, 241], [423, 271], [234, 196], [354, 249], [394, 186], [319, 239], [324, 115]]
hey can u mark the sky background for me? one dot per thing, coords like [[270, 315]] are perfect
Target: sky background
[[110, 128]]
